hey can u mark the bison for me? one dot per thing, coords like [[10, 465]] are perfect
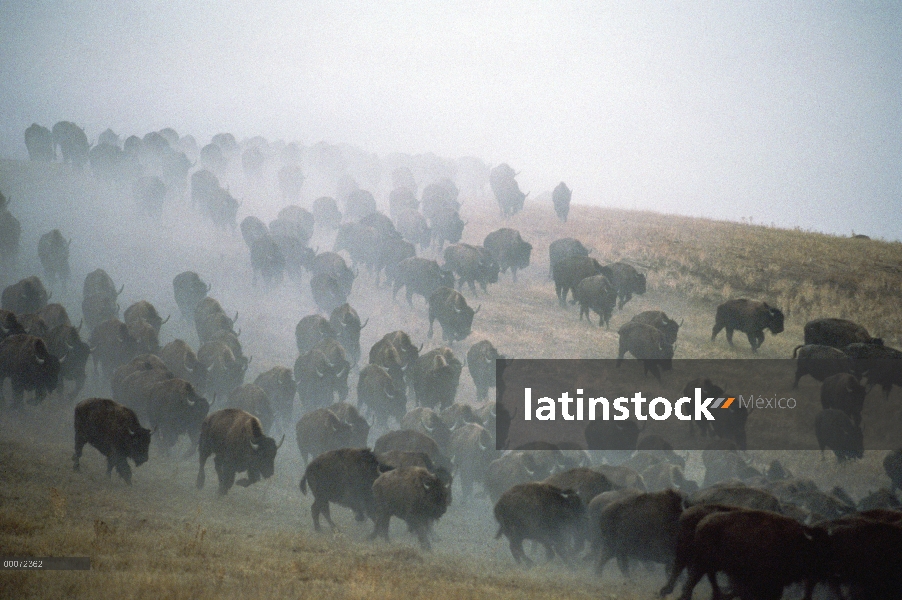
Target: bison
[[837, 333], [28, 364], [412, 494], [280, 387], [144, 311], [627, 281], [345, 477], [64, 342], [453, 313], [183, 362], [508, 250], [560, 197], [346, 324], [420, 276], [836, 430], [843, 392], [176, 408], [310, 330], [116, 433], [647, 344], [660, 321], [189, 289], [820, 362], [383, 396], [751, 317], [237, 440], [319, 431], [596, 293], [472, 264], [471, 449], [434, 377], [568, 272], [360, 428], [481, 362], [407, 440], [254, 400], [540, 512], [26, 296], [563, 248]]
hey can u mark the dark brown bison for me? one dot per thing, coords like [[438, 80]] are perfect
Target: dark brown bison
[[584, 481], [627, 281], [9, 324], [331, 367], [659, 320], [843, 392], [434, 377], [420, 276], [26, 296], [643, 527], [281, 388], [568, 272], [412, 494], [761, 552], [319, 431], [53, 251], [836, 430], [685, 540], [481, 362], [540, 512], [116, 433], [647, 344], [360, 428], [175, 408], [382, 395], [560, 197], [881, 364], [820, 362], [64, 342], [310, 330], [237, 440], [596, 293], [838, 333], [346, 324], [28, 364], [563, 248], [508, 250], [254, 400], [450, 308], [345, 477], [131, 381], [189, 289], [751, 317], [865, 554], [183, 362]]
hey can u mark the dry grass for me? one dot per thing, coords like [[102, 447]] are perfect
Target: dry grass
[[164, 539]]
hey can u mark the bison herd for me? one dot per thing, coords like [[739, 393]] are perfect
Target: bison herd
[[763, 530]]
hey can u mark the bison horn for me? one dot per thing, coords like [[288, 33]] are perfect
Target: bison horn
[[428, 428], [235, 320], [209, 287], [120, 291], [239, 332], [481, 445], [279, 445], [185, 364], [154, 430], [254, 446], [62, 359], [365, 322], [166, 320], [681, 323], [477, 309], [420, 349], [39, 360]]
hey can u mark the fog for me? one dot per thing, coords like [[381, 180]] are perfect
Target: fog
[[783, 113]]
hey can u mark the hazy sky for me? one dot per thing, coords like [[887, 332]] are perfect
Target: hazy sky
[[782, 111]]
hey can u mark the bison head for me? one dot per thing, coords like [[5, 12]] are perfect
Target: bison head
[[774, 319], [263, 456], [138, 445]]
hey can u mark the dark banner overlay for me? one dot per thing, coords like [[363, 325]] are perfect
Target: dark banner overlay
[[697, 404]]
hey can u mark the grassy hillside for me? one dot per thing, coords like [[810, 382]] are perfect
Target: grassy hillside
[[163, 538]]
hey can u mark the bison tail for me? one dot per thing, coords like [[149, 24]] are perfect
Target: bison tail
[[795, 350], [303, 485]]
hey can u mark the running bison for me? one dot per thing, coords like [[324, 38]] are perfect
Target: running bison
[[561, 199], [481, 362], [508, 250], [116, 433], [838, 333], [345, 477], [540, 512], [28, 364], [598, 294], [237, 440], [412, 494], [450, 308], [751, 317], [53, 250], [647, 344]]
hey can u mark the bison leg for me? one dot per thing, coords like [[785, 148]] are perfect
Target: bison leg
[[753, 341], [429, 333], [381, 527], [226, 478], [695, 575], [409, 296], [516, 546], [729, 336], [321, 508], [79, 446], [603, 558], [124, 470]]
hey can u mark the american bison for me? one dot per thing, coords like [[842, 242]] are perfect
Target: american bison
[[116, 433], [751, 317]]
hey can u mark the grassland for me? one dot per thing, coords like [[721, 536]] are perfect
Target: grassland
[[163, 538]]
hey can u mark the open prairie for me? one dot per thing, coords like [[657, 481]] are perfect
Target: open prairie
[[162, 538]]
